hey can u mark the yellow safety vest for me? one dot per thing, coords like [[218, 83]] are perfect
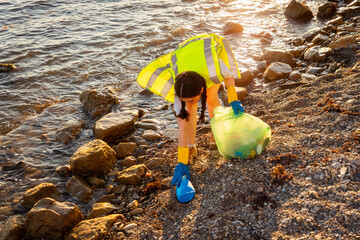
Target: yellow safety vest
[[200, 54]]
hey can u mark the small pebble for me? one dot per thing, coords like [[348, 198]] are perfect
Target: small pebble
[[130, 226]]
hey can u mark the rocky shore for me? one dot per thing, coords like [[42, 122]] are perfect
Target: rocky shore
[[305, 185]]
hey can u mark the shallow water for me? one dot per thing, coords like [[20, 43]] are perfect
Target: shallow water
[[61, 48]]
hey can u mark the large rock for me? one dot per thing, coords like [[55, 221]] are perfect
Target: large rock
[[101, 209], [275, 55], [93, 159], [98, 100], [93, 229], [317, 54], [69, 130], [114, 125], [14, 228], [50, 220], [231, 27], [246, 78], [132, 175], [342, 42], [125, 149], [277, 70], [298, 11], [41, 191], [79, 188], [327, 10]]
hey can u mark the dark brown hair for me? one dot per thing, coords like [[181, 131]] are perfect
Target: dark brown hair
[[188, 85]]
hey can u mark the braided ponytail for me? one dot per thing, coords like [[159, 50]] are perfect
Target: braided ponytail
[[183, 113], [203, 102]]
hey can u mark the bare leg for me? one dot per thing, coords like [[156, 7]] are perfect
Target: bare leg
[[192, 110], [187, 129], [212, 99]]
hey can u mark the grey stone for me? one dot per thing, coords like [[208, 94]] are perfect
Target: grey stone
[[114, 125]]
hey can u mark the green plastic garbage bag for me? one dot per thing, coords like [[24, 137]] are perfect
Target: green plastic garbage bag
[[239, 136]]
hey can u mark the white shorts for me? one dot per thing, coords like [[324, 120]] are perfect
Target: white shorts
[[177, 105]]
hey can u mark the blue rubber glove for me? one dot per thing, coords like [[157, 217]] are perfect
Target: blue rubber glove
[[180, 170], [237, 106]]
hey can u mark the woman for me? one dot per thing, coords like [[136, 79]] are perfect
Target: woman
[[192, 72]]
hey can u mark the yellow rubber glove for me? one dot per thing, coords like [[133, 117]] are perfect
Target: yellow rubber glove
[[232, 95], [183, 155]]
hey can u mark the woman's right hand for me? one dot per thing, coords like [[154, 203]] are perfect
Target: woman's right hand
[[180, 170]]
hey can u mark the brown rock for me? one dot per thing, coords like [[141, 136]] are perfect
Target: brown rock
[[261, 66], [42, 190], [93, 229], [296, 52], [50, 220], [96, 181], [342, 42], [231, 27], [246, 78], [298, 11], [150, 135], [241, 93], [93, 159], [319, 39], [133, 205], [63, 171], [120, 189], [78, 187], [114, 125], [317, 54], [295, 75], [275, 55], [101, 209], [13, 229], [336, 21], [124, 149], [98, 101], [327, 10], [127, 162], [69, 130], [136, 211], [107, 198], [154, 162], [132, 175], [277, 70]]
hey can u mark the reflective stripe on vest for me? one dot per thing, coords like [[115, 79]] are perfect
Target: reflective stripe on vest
[[210, 61], [174, 63], [231, 59], [201, 54], [155, 75], [198, 54]]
